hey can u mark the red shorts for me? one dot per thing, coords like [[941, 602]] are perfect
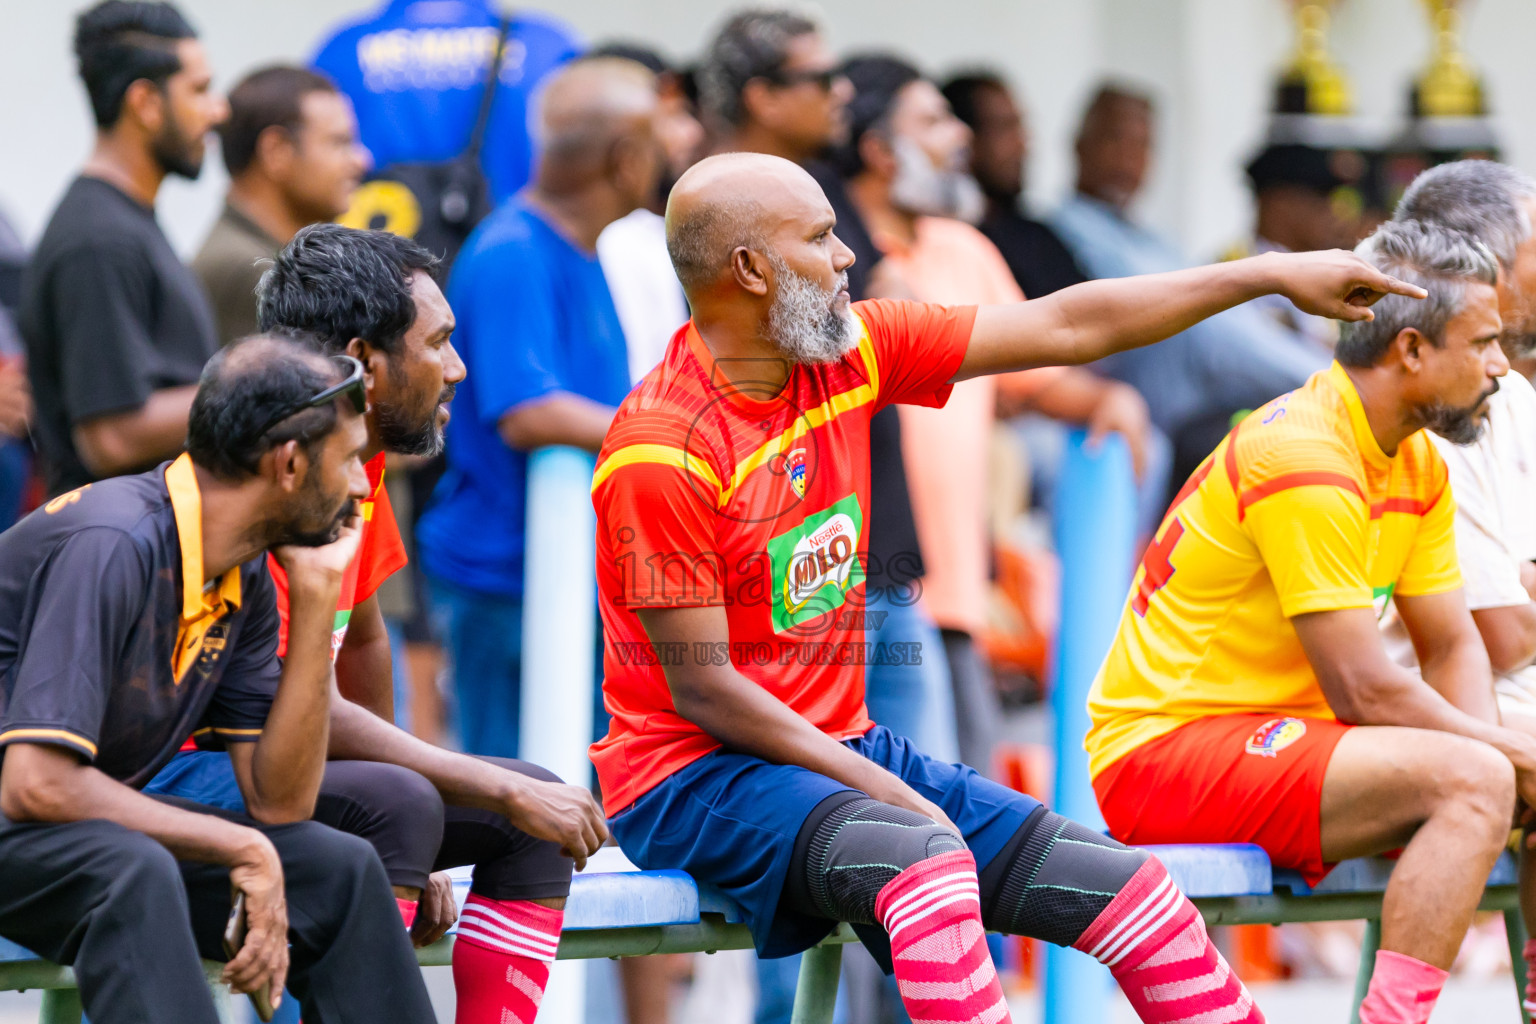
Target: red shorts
[[1227, 779]]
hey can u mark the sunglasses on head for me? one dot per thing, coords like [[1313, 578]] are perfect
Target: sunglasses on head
[[822, 79], [351, 386]]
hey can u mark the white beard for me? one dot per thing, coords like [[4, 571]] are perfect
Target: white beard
[[804, 321], [926, 190]]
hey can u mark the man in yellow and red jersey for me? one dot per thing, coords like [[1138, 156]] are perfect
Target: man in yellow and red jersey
[[732, 497], [1248, 696]]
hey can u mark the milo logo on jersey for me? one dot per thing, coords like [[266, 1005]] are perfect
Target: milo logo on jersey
[[816, 563]]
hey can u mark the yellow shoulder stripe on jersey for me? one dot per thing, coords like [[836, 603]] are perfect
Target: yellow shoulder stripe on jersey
[[656, 454], [48, 734], [804, 424], [871, 364]]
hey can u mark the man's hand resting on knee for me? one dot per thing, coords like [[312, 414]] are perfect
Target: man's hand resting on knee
[[262, 962], [559, 813]]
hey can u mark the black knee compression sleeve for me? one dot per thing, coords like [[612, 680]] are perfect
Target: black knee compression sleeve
[[855, 849], [1054, 878]]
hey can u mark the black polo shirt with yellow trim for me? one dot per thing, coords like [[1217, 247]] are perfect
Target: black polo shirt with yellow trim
[[112, 646]]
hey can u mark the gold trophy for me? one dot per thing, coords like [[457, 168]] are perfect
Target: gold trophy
[[1448, 87], [1312, 83]]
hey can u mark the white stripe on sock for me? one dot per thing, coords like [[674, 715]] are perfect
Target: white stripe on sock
[[919, 918], [1130, 920], [947, 879], [502, 922], [1175, 905], [543, 949], [498, 943], [896, 918], [916, 895]]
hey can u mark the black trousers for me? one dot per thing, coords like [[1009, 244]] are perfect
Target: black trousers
[[133, 921], [402, 815]]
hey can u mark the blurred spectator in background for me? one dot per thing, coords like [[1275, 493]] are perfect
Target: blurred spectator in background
[[1196, 381], [117, 328], [15, 392], [1300, 194], [547, 366], [633, 249], [290, 146], [1040, 263], [907, 161], [415, 71]]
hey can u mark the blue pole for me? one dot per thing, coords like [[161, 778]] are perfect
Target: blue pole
[[559, 639], [1095, 521]]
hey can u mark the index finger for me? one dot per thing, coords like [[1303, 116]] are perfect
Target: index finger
[[1386, 283]]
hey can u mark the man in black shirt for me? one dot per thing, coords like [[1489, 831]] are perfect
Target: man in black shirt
[[139, 611], [117, 329], [999, 147]]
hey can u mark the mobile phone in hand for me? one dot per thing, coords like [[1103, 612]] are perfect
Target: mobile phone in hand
[[234, 939]]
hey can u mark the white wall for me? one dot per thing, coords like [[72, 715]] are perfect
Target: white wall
[[1209, 62]]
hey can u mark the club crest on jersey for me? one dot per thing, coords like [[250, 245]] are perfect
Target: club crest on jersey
[[1275, 735], [794, 464], [816, 563]]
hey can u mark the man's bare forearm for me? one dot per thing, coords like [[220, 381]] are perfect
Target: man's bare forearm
[[1459, 672], [358, 735], [289, 759], [1405, 701], [124, 441], [1099, 318], [45, 785], [365, 665], [745, 717], [562, 418]]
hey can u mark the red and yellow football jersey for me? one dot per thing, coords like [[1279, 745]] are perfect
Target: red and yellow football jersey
[[708, 493], [380, 554], [1298, 510]]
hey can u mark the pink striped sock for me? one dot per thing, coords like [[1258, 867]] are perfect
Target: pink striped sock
[[1153, 941], [932, 912], [501, 959], [1403, 990]]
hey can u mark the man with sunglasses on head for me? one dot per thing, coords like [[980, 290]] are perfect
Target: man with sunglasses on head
[[372, 296], [139, 611]]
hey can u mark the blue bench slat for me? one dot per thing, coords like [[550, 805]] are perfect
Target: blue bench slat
[[10, 952], [631, 899], [1237, 869], [1370, 874]]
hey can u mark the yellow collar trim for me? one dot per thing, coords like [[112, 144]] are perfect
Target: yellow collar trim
[[1365, 439], [187, 504]]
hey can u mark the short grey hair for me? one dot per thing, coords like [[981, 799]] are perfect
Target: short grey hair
[[1442, 262], [752, 44], [1481, 198], [701, 245]]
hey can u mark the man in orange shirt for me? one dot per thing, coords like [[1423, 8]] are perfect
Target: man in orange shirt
[[1248, 696], [732, 498], [905, 159]]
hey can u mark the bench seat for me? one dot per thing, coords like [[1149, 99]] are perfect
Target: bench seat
[[615, 910]]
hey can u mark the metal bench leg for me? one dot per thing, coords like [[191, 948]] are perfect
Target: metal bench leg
[[1368, 947], [1514, 930], [60, 1006], [816, 992]]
